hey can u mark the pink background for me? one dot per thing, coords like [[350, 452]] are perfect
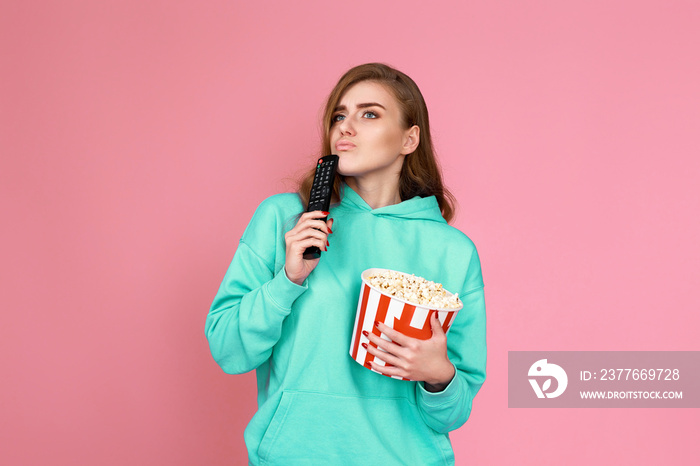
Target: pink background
[[137, 138]]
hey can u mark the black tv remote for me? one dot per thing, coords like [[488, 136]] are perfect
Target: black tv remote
[[321, 192]]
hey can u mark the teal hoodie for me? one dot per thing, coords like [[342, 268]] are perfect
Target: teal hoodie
[[316, 405]]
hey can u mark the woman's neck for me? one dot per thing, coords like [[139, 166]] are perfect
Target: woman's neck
[[376, 193]]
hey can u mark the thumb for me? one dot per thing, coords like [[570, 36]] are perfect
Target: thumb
[[435, 324]]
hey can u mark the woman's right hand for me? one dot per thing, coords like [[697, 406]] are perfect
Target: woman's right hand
[[309, 231]]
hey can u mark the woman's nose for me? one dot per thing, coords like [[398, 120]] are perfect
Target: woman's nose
[[346, 127]]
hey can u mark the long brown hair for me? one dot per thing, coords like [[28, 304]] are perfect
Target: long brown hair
[[420, 173]]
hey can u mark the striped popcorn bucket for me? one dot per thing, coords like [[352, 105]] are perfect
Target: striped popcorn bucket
[[410, 319]]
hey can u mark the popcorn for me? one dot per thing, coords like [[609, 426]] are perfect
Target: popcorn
[[416, 290], [402, 302]]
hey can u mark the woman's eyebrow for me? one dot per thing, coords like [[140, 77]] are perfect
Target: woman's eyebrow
[[365, 105]]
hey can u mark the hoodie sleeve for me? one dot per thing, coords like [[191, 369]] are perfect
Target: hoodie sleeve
[[449, 409], [245, 319]]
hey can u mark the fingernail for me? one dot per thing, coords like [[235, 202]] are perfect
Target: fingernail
[[327, 243], [376, 323], [365, 333], [329, 229], [364, 345], [325, 213]]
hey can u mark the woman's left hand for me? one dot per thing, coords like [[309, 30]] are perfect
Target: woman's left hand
[[411, 358]]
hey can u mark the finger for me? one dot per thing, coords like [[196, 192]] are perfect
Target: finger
[[314, 214], [435, 324], [318, 225], [299, 247], [387, 370], [395, 336], [310, 224], [306, 234], [383, 355], [388, 346]]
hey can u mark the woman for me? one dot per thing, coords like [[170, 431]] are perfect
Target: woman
[[291, 319]]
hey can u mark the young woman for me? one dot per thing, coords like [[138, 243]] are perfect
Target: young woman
[[291, 319]]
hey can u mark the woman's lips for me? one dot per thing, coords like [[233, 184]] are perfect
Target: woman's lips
[[344, 145]]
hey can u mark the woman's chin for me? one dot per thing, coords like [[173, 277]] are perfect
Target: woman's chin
[[343, 169]]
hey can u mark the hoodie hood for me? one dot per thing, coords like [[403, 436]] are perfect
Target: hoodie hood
[[417, 208]]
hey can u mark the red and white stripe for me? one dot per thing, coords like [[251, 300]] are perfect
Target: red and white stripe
[[408, 319]]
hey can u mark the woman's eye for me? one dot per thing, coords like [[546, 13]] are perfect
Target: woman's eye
[[337, 118], [371, 115]]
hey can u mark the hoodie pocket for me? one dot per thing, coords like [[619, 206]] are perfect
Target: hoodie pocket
[[319, 428]]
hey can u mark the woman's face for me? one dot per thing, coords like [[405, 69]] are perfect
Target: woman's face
[[367, 133]]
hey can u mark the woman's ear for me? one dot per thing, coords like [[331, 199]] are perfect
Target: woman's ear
[[411, 140]]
